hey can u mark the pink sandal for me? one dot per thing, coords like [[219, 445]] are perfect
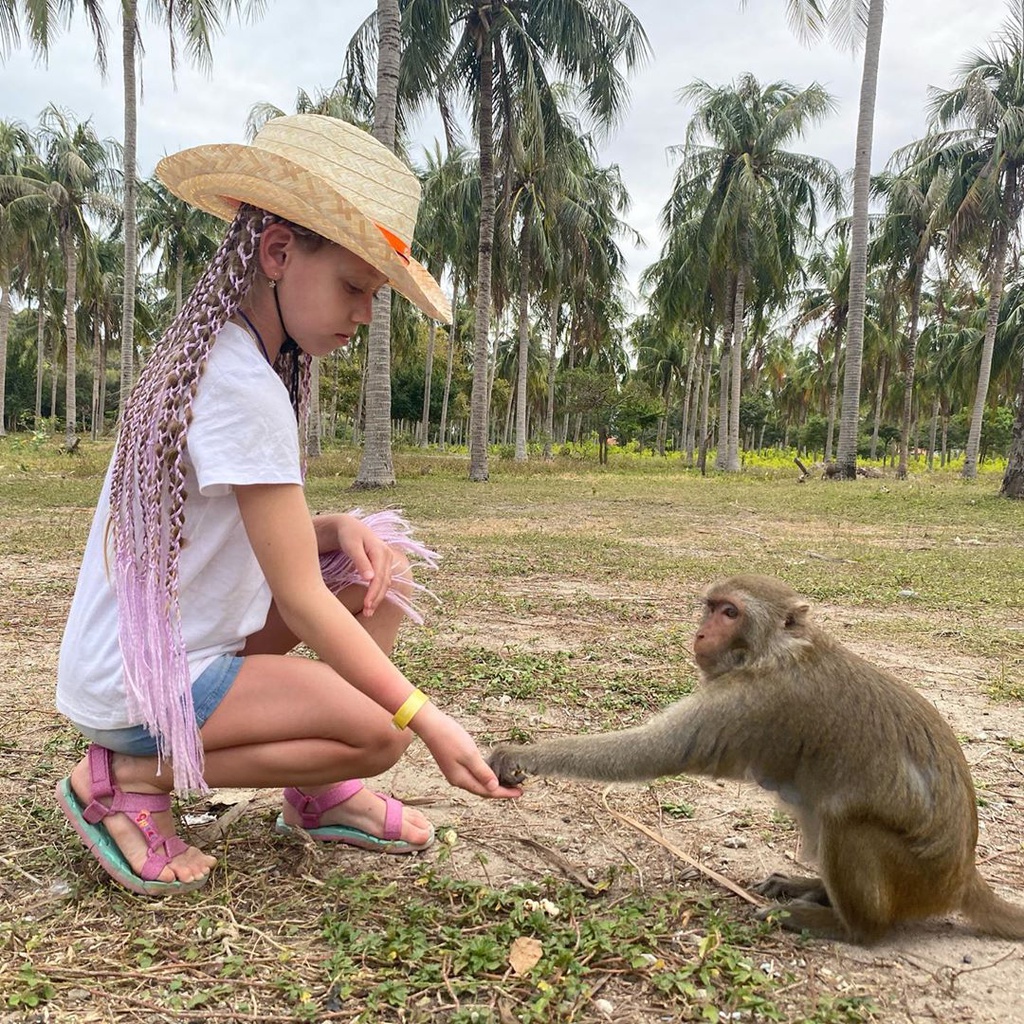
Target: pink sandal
[[139, 807], [311, 810]]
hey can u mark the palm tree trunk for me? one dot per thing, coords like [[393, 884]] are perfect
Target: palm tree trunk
[[549, 411], [485, 131], [97, 373], [725, 363], [572, 366], [995, 294], [909, 368], [104, 349], [129, 30], [427, 376], [882, 371], [846, 453], [523, 366], [376, 468], [5, 323], [315, 420], [684, 416], [931, 435], [1013, 479], [452, 333], [833, 397], [179, 274], [509, 410], [53, 385], [732, 463], [666, 397], [70, 326], [40, 360], [705, 406]]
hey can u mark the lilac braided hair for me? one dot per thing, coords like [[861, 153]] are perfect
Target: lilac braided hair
[[147, 495]]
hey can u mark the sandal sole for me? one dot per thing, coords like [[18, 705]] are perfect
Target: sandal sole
[[97, 841], [354, 837]]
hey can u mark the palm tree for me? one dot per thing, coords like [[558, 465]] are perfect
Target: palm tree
[[376, 467], [76, 167], [446, 232], [826, 300], [905, 238], [180, 235], [756, 201], [497, 55], [848, 20], [15, 152], [546, 196], [195, 22], [980, 139]]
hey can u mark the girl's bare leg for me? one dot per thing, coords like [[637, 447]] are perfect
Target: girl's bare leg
[[284, 722]]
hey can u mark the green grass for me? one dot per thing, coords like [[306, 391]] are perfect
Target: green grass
[[565, 589]]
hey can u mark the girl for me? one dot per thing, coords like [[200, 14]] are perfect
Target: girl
[[203, 567]]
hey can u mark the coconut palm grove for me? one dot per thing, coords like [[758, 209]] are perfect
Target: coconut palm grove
[[795, 310]]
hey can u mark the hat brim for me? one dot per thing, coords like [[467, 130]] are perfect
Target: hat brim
[[219, 178]]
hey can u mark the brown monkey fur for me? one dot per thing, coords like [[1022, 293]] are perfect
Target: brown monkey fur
[[871, 771]]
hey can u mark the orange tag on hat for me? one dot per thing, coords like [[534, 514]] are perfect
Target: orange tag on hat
[[396, 243]]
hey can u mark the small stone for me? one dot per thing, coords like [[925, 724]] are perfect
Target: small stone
[[734, 843], [604, 1006]]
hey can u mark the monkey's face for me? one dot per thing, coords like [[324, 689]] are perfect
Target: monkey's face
[[720, 632]]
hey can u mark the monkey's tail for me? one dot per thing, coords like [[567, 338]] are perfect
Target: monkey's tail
[[989, 914]]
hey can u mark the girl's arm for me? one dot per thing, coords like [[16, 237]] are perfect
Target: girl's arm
[[284, 540]]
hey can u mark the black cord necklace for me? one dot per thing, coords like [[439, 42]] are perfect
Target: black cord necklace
[[288, 347], [291, 347], [256, 334]]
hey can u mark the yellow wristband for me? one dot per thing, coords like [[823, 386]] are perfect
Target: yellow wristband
[[404, 715]]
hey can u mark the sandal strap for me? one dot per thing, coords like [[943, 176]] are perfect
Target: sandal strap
[[392, 817], [139, 806], [156, 861], [311, 808], [101, 785]]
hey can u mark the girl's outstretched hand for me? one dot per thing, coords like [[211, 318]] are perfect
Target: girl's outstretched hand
[[457, 755]]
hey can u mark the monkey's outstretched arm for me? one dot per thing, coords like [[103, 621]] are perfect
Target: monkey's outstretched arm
[[683, 738]]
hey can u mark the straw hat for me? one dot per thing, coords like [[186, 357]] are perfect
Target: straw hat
[[327, 175]]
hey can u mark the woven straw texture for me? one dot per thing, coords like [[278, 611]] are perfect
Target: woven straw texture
[[324, 174]]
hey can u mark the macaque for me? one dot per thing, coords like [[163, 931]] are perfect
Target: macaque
[[873, 774]]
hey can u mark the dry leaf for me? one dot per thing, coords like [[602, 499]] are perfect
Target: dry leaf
[[525, 954]]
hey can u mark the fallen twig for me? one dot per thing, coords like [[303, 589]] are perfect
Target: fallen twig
[[726, 883], [559, 861]]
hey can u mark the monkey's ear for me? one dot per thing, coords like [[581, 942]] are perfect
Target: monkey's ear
[[797, 617]]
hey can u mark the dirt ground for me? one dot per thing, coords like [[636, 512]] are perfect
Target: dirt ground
[[937, 972]]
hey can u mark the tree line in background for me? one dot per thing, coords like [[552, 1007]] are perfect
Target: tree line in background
[[778, 313]]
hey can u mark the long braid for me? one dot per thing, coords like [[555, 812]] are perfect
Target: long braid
[[148, 497]]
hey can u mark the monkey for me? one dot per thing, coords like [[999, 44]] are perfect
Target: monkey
[[873, 774]]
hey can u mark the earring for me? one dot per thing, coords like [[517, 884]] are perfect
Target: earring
[[272, 283]]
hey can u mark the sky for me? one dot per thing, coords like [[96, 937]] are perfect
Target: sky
[[301, 44]]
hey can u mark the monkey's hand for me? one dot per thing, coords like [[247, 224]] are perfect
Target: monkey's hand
[[505, 762]]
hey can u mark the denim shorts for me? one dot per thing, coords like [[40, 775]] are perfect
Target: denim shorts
[[207, 692]]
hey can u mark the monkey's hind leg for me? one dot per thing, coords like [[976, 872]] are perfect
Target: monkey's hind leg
[[859, 863], [794, 887]]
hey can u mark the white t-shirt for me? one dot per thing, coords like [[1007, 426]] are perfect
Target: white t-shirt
[[243, 431]]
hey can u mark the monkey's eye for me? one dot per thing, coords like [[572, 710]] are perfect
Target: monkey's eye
[[730, 611]]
